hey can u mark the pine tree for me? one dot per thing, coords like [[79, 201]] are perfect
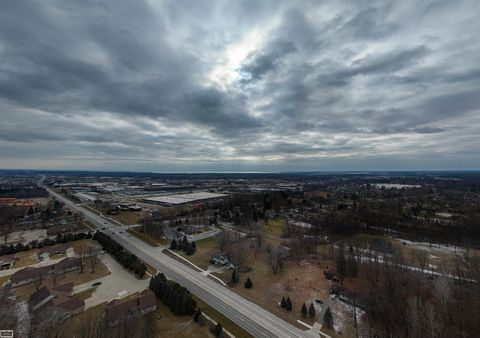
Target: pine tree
[[328, 318], [173, 245], [189, 250], [283, 303], [217, 330], [197, 314], [311, 310], [288, 304], [248, 283], [304, 310], [234, 277]]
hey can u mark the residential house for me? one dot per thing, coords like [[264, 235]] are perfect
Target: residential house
[[47, 251], [40, 298], [119, 311], [7, 262]]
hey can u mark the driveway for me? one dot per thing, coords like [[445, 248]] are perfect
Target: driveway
[[119, 283]]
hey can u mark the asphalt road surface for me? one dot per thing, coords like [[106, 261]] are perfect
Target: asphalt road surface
[[251, 317]]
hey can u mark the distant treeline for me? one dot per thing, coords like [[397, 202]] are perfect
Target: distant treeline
[[35, 244], [127, 259], [23, 192]]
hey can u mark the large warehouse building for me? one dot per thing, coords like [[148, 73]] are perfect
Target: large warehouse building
[[179, 199]]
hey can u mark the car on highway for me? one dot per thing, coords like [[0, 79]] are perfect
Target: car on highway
[[96, 284]]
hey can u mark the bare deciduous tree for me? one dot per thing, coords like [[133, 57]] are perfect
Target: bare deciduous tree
[[94, 253]]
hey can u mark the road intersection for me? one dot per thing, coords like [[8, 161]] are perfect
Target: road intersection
[[251, 317]]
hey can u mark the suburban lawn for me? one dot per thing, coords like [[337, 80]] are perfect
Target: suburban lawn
[[275, 226], [127, 217], [144, 237], [172, 326], [301, 281], [26, 258], [3, 279], [206, 249]]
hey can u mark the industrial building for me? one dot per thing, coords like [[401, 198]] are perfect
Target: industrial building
[[180, 199]]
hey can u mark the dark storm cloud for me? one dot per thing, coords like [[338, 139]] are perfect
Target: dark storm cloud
[[259, 64], [187, 84]]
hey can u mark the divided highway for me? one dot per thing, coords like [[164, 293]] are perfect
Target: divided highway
[[251, 317]]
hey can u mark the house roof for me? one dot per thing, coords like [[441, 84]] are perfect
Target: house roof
[[7, 258], [147, 300], [72, 304], [40, 295], [53, 248], [67, 288], [118, 310], [29, 273], [67, 263]]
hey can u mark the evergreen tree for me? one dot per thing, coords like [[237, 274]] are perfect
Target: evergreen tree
[[328, 318], [248, 283], [304, 310], [311, 310], [288, 304], [173, 245], [341, 264], [197, 314], [234, 278], [189, 250], [283, 303], [217, 330]]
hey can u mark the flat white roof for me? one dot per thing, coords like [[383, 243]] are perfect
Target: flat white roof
[[184, 198]]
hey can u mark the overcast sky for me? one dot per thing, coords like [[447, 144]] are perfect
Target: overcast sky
[[240, 85]]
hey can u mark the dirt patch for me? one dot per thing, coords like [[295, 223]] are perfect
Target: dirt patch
[[127, 217], [302, 282]]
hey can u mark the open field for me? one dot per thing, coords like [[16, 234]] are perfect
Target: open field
[[83, 244], [275, 226], [438, 256], [26, 258], [302, 282], [3, 279], [127, 217], [144, 237]]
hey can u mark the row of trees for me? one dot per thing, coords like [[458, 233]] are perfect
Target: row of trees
[[11, 249], [188, 247], [310, 311], [176, 297], [128, 260], [404, 303], [286, 304]]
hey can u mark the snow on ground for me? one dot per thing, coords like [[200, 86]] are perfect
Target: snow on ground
[[433, 246], [343, 321], [27, 236]]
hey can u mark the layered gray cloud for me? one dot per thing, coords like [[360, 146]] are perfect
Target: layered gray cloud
[[248, 85]]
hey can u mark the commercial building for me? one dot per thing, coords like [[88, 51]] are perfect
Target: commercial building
[[181, 199]]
